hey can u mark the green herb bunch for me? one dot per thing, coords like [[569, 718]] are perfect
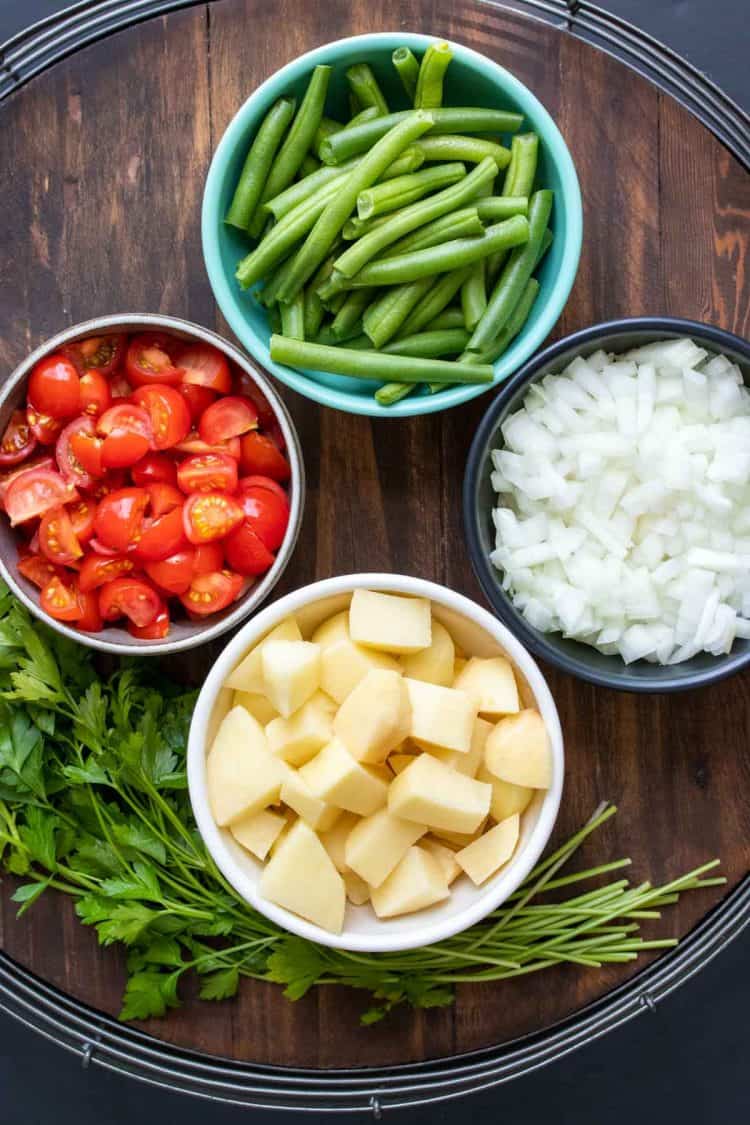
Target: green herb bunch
[[94, 803]]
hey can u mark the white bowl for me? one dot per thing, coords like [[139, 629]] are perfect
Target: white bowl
[[479, 634]]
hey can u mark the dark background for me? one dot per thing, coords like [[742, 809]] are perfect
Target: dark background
[[685, 1062]]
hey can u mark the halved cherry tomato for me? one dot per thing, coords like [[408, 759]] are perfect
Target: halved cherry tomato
[[227, 418], [55, 387], [260, 454], [174, 573], [193, 443], [211, 592], [18, 441], [163, 498], [161, 536], [33, 493], [99, 548], [148, 360], [255, 480], [244, 385], [38, 570], [7, 479], [60, 600], [208, 557], [158, 629], [129, 597], [119, 517], [115, 478], [78, 451], [44, 427], [197, 398], [246, 552], [267, 514], [90, 620], [154, 467], [127, 435], [210, 515], [119, 387], [96, 396], [168, 412], [96, 570], [96, 354], [82, 516], [57, 539], [208, 472], [205, 366]]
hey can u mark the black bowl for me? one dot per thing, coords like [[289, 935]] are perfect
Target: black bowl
[[479, 499]]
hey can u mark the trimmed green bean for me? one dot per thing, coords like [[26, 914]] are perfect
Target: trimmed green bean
[[438, 297], [393, 392], [459, 119], [375, 365], [293, 318], [351, 311], [329, 224], [274, 319], [326, 128], [314, 307], [448, 318], [435, 62], [474, 296], [364, 86], [496, 207], [410, 160], [515, 275], [269, 294], [524, 153], [407, 69], [367, 114], [258, 163], [427, 345], [308, 166], [547, 239], [335, 302], [469, 149], [297, 193], [327, 338], [458, 224], [386, 315], [515, 323], [403, 190]]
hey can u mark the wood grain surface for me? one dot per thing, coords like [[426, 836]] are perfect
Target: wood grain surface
[[102, 164]]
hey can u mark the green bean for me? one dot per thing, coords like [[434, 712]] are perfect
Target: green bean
[[519, 179], [335, 303], [375, 365], [364, 86], [362, 115], [438, 259], [258, 163], [427, 345], [274, 319], [438, 297], [269, 294], [469, 149], [314, 308], [449, 318], [308, 166], [409, 161], [516, 273], [326, 128], [461, 119], [297, 193], [319, 241], [407, 68], [474, 296], [406, 189], [393, 392], [435, 62], [496, 207], [416, 215], [547, 239], [385, 315], [458, 224], [327, 338], [514, 324], [293, 318], [351, 311]]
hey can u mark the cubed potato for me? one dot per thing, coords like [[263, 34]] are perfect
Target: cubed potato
[[248, 675], [334, 840], [291, 673], [399, 762], [337, 778], [491, 682], [374, 718], [441, 716], [377, 843], [507, 798], [458, 666], [290, 819], [446, 857], [357, 890], [415, 883], [301, 877], [390, 622], [297, 794], [431, 793], [518, 750], [488, 854], [242, 775], [259, 707], [460, 839], [470, 763], [433, 664], [298, 739], [343, 663], [259, 831]]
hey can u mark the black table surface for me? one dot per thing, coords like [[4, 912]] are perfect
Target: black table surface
[[684, 1062]]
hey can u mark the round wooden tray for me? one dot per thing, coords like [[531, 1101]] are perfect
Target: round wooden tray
[[104, 157]]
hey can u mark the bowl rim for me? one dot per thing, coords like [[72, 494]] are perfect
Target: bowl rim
[[141, 321], [536, 641], [225, 294], [486, 900]]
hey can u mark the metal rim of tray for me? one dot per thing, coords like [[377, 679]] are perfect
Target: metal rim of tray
[[99, 1040]]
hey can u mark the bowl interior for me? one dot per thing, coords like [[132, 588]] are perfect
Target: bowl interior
[[471, 79], [572, 656]]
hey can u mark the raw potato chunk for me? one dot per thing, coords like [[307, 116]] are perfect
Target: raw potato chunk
[[248, 675], [297, 794], [334, 839], [518, 750], [491, 683], [468, 764], [487, 854], [446, 857], [460, 839], [431, 793], [458, 666], [390, 622], [433, 664], [378, 843], [291, 673], [507, 798], [334, 776], [357, 890], [242, 775], [374, 718], [301, 877], [298, 739], [343, 663], [399, 762], [441, 716], [257, 704], [259, 831], [417, 882]]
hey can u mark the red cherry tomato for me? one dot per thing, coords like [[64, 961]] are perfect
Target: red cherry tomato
[[60, 600], [257, 481], [267, 514], [115, 478], [97, 354], [119, 517], [205, 366], [90, 620], [35, 492], [148, 360], [197, 398], [210, 515], [129, 597], [55, 387], [174, 573], [168, 413], [82, 516], [44, 427], [57, 539], [99, 548], [211, 592], [38, 570], [96, 396], [127, 433], [246, 552], [79, 452], [154, 467], [163, 498], [156, 631], [119, 387], [260, 454], [208, 557], [193, 443], [96, 570], [227, 418], [161, 536], [208, 472], [244, 385], [18, 442], [7, 478]]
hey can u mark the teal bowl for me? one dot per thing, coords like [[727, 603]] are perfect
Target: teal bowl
[[472, 79]]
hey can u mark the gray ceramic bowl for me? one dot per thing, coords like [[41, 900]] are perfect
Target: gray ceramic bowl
[[183, 634], [479, 499]]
